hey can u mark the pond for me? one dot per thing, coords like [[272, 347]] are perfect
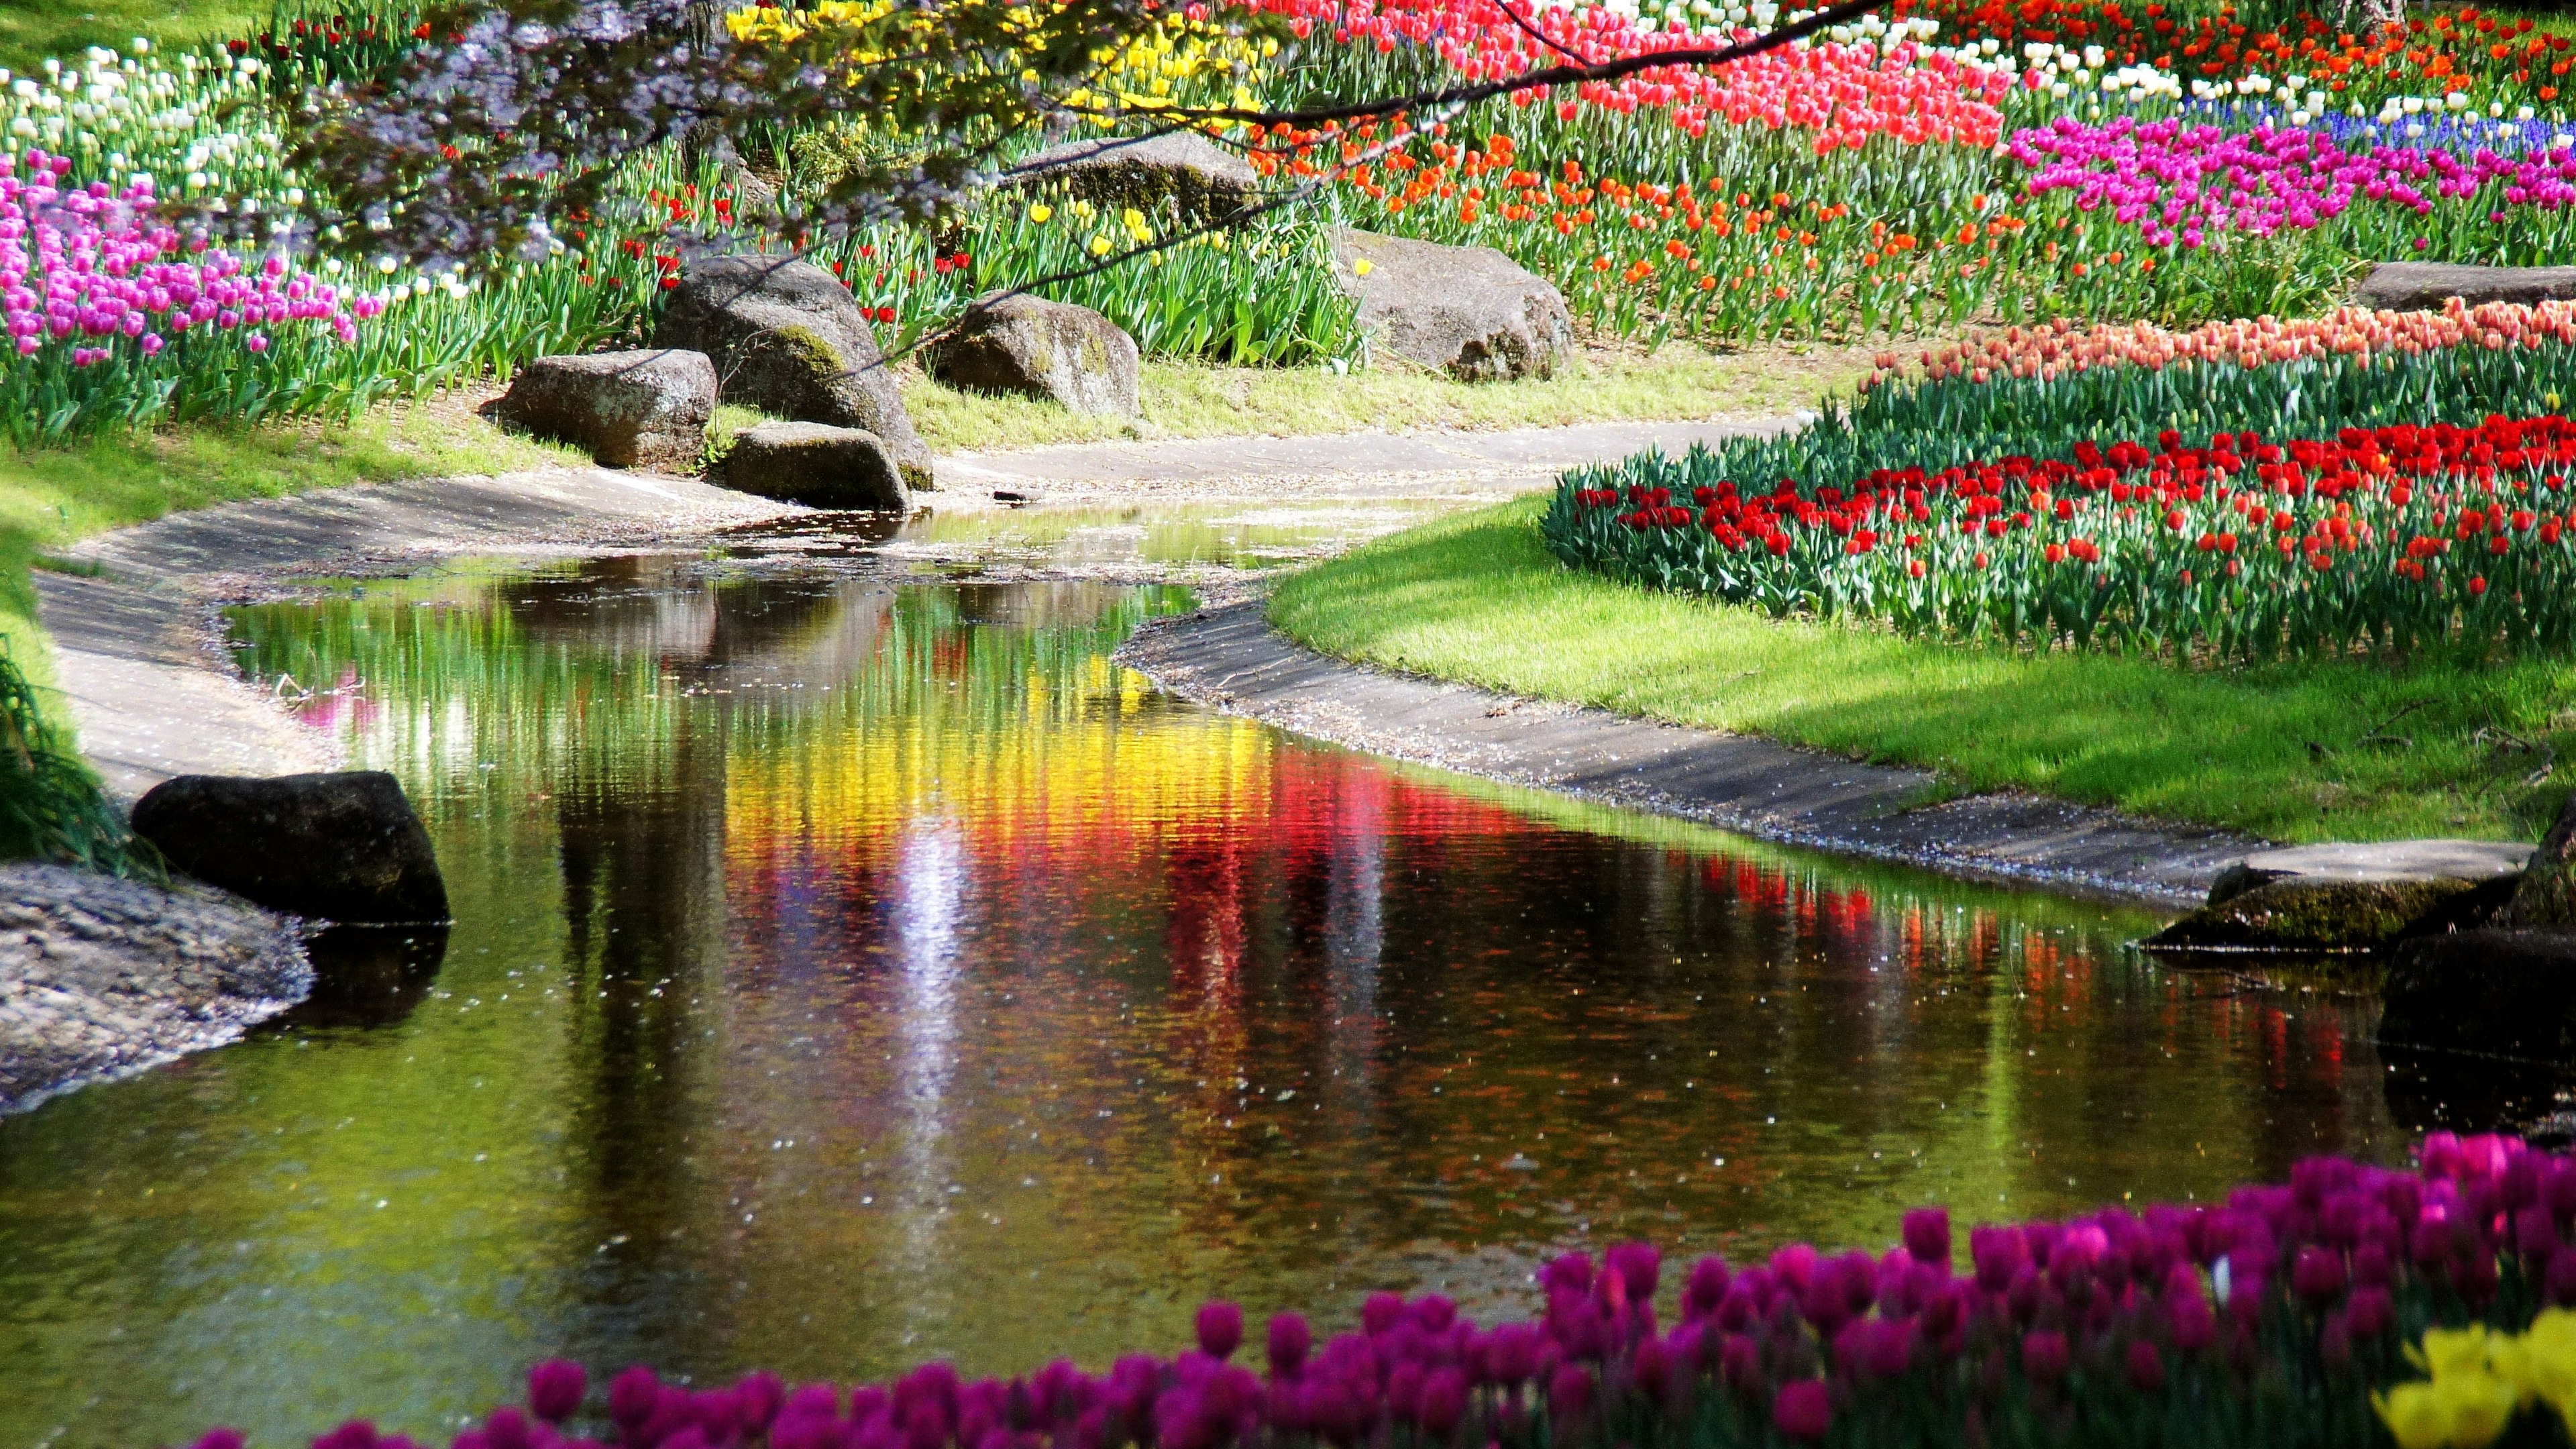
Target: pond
[[852, 967]]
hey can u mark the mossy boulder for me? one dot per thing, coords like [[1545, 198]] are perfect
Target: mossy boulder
[[2313, 913], [789, 339], [2499, 992], [1037, 348], [626, 409], [816, 465], [1197, 177]]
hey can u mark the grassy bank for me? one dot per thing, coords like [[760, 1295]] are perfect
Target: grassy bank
[[2293, 752]]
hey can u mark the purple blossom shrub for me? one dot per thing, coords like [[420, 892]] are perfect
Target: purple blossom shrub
[[2265, 1319]]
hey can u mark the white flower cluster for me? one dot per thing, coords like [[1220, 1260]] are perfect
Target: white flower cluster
[[199, 130]]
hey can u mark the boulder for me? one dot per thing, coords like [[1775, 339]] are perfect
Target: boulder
[[2321, 913], [2425, 286], [2545, 898], [343, 846], [1470, 312], [626, 409], [790, 340], [817, 465], [2383, 860], [2510, 993], [100, 976], [1029, 345], [1197, 175]]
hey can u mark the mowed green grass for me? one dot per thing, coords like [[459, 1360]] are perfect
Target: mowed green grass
[[30, 30], [2278, 751]]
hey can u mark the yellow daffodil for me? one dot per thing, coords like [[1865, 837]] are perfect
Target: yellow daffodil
[[2415, 1418]]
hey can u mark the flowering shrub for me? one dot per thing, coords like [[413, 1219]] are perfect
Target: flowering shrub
[[2269, 1319]]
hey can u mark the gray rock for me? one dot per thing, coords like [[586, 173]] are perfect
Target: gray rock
[[1029, 345], [626, 409], [343, 846], [2510, 993], [2383, 860], [1197, 175], [101, 977], [790, 340], [2425, 286], [816, 465], [1470, 312], [2545, 898], [2316, 913]]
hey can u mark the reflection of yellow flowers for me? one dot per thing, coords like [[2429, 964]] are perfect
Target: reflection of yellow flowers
[[1363, 267], [2477, 1377], [1040, 213]]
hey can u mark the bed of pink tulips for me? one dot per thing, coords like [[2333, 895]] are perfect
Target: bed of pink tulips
[[2267, 1319]]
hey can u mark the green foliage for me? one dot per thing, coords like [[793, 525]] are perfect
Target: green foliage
[[51, 807]]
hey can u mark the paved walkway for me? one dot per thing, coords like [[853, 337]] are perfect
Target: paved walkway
[[136, 649], [1345, 465], [1231, 658]]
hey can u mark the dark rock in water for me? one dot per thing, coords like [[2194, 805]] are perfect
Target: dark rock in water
[[368, 975], [2310, 913], [789, 339], [343, 846], [818, 466], [1055, 350], [2546, 898], [2425, 286], [1199, 177], [101, 976], [1470, 312], [644, 409], [2503, 993]]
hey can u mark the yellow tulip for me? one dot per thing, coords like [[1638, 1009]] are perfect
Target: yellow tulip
[[2415, 1419], [1100, 246], [2478, 1405], [1362, 267], [2452, 1350], [1040, 212]]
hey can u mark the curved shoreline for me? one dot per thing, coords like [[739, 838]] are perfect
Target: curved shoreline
[[1231, 659]]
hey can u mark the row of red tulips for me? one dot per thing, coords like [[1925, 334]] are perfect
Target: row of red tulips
[[2396, 539]]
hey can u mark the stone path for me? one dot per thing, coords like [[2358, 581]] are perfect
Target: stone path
[[1231, 658], [1347, 465], [152, 699]]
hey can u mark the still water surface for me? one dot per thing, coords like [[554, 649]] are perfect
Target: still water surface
[[849, 971]]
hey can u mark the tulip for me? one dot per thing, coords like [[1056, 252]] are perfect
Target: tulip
[[1803, 1412]]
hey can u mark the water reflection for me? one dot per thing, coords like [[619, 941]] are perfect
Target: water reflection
[[847, 973]]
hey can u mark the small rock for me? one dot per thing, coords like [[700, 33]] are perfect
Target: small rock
[[789, 339], [644, 409], [2425, 286], [816, 465], [1470, 312], [2384, 860], [1203, 179], [2510, 993], [343, 846], [2546, 897], [1028, 345], [2320, 913]]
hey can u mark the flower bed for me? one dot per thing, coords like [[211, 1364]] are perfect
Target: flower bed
[[2039, 490], [2274, 1318]]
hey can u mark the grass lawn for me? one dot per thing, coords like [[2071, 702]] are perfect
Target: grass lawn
[[2278, 751], [53, 497], [30, 30], [1188, 400]]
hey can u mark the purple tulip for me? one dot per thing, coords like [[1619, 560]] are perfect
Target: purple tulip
[[1927, 1235], [220, 1439], [1220, 1329], [2316, 1275], [555, 1389], [1803, 1412], [1569, 1391], [1290, 1341], [2044, 1356], [2146, 1367]]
